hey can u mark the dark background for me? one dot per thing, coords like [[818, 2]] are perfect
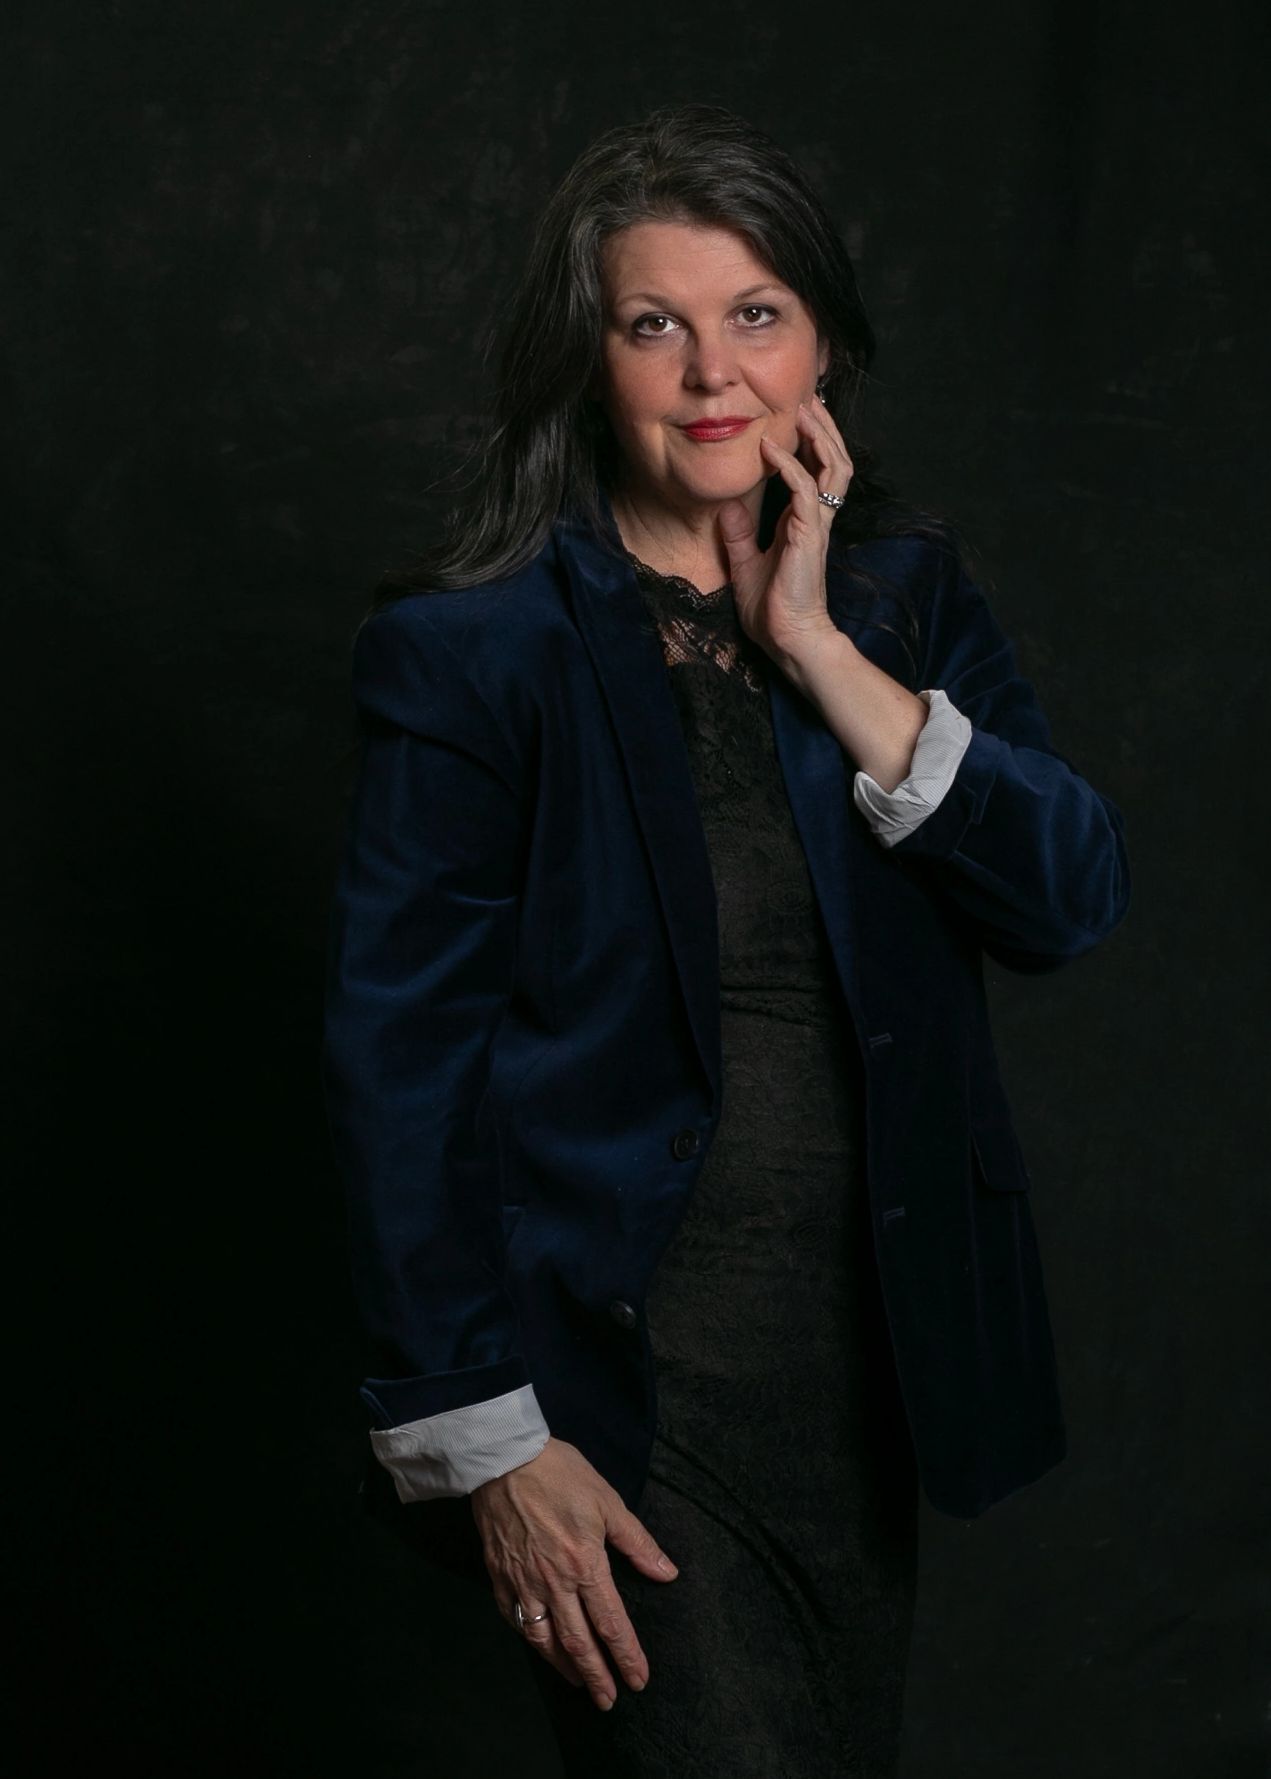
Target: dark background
[[249, 253]]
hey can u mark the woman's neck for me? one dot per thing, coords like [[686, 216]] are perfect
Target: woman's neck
[[680, 541]]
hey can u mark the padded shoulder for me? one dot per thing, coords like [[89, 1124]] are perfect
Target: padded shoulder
[[468, 663]]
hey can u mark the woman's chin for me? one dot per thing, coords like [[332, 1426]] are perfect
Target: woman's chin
[[713, 489]]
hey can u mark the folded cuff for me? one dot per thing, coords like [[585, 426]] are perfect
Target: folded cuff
[[938, 751], [453, 1452]]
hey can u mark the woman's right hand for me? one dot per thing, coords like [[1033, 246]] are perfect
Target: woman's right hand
[[543, 1526]]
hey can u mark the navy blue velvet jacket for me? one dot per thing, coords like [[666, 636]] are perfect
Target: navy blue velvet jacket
[[521, 1055]]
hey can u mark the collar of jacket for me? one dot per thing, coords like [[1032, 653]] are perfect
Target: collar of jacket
[[609, 611]]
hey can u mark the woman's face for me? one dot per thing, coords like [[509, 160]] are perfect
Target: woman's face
[[697, 328]]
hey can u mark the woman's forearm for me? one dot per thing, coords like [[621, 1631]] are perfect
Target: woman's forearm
[[874, 718]]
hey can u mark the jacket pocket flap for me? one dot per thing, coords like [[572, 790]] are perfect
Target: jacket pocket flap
[[999, 1156]]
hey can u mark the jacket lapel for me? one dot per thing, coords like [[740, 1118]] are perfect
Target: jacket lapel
[[819, 785], [610, 614]]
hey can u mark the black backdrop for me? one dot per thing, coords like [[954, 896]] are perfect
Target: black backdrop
[[250, 250]]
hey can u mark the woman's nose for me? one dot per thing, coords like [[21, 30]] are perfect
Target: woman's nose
[[711, 365]]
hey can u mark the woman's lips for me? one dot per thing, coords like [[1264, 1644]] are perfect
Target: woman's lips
[[704, 431]]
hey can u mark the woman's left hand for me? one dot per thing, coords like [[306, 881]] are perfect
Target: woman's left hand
[[780, 592]]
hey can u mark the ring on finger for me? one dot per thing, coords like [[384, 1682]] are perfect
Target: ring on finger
[[527, 1618], [830, 500]]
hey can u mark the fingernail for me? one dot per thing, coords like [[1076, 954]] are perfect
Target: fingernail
[[667, 1566], [606, 1704]]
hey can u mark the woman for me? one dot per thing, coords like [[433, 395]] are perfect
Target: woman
[[688, 1220]]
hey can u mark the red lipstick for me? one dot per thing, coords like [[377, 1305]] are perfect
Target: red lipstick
[[727, 426]]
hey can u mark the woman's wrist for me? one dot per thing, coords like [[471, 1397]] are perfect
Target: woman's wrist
[[811, 656]]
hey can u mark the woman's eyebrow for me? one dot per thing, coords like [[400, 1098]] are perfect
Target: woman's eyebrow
[[653, 296]]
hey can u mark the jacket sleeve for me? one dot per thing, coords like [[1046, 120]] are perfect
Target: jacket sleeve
[[1032, 854], [422, 946]]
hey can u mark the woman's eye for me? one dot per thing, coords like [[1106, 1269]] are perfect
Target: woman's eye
[[657, 327]]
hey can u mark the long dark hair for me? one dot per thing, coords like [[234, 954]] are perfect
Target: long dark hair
[[549, 448]]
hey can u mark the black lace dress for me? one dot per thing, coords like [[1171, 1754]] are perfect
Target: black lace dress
[[782, 1479]]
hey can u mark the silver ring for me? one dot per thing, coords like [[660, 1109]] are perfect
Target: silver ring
[[523, 1619], [830, 500]]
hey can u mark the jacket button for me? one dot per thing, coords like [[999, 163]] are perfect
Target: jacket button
[[622, 1312], [684, 1143]]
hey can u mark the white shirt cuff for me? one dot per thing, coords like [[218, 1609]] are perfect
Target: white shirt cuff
[[938, 751], [451, 1453]]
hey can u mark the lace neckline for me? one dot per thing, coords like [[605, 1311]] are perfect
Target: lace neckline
[[679, 582], [699, 627]]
